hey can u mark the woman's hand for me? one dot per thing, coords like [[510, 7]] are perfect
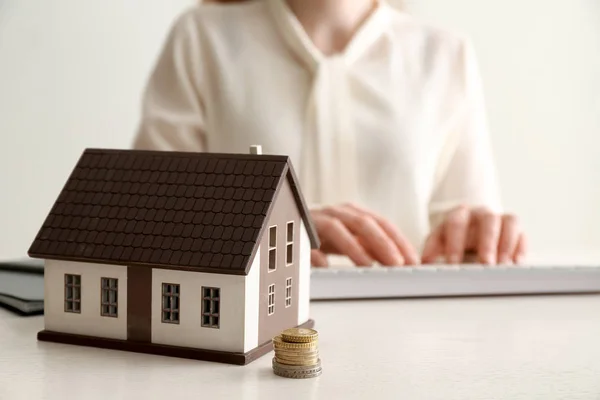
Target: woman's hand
[[362, 236], [493, 238]]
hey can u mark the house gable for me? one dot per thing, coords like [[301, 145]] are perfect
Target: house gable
[[292, 199], [280, 262]]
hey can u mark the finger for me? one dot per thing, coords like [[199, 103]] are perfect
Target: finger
[[409, 253], [433, 247], [521, 250], [374, 239], [341, 240], [318, 259], [509, 239], [454, 233], [487, 226]]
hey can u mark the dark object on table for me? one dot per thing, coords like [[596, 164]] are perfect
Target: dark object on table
[[22, 286]]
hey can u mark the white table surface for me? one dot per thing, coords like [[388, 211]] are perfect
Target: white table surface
[[481, 348]]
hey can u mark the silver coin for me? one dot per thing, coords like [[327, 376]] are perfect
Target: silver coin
[[308, 370], [287, 372], [292, 375], [295, 367]]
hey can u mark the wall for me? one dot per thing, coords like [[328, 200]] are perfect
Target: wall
[[283, 211], [541, 69], [71, 76], [252, 290], [72, 72], [232, 335], [304, 276], [89, 321]]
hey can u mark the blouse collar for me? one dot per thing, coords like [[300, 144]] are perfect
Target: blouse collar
[[296, 37]]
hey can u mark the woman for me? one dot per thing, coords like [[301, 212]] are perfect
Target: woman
[[382, 116]]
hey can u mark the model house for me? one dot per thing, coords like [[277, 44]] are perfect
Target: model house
[[196, 255]]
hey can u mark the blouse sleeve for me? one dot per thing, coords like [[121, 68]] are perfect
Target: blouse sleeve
[[172, 108], [466, 173]]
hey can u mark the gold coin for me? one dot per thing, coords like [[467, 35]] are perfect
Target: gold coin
[[295, 346], [279, 343], [281, 353], [299, 335], [296, 356], [297, 361], [301, 350], [305, 362]]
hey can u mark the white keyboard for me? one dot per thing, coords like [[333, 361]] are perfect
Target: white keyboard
[[449, 281]]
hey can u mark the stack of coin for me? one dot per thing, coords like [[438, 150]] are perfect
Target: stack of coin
[[297, 354]]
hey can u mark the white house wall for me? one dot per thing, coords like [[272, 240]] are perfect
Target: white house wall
[[304, 276], [189, 332], [252, 281], [89, 321]]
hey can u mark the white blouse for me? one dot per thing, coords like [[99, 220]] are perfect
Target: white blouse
[[395, 123]]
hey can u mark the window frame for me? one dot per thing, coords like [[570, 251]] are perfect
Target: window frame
[[108, 289], [288, 292], [211, 314], [72, 300], [289, 244], [271, 300], [272, 246], [171, 309]]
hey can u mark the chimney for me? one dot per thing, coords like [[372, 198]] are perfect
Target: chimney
[[256, 149]]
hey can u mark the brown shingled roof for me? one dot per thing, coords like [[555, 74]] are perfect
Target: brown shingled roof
[[202, 211]]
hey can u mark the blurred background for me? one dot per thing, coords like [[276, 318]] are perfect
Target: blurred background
[[72, 74]]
